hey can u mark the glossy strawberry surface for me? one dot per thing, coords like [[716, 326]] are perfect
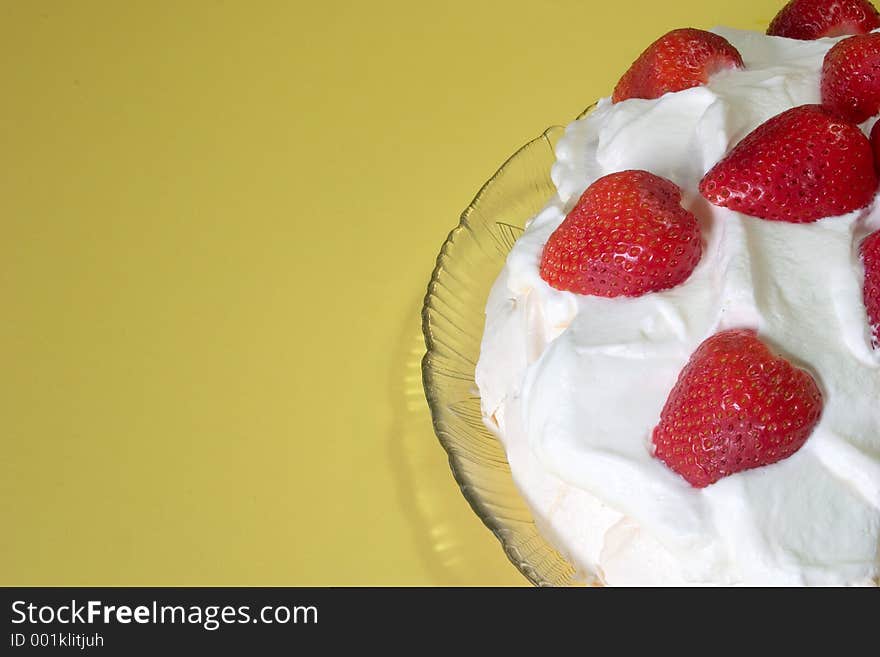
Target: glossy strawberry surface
[[799, 166], [851, 78], [870, 253], [627, 235], [735, 406], [678, 60], [814, 19]]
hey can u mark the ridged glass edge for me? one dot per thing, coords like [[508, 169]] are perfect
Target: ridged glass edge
[[550, 136]]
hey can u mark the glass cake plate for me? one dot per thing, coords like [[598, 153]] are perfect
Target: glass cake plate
[[452, 322]]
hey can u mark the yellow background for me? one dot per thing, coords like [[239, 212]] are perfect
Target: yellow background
[[218, 221]]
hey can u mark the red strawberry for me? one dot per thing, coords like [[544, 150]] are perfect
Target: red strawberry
[[735, 406], [678, 60], [851, 78], [628, 235], [813, 19], [799, 166], [870, 251]]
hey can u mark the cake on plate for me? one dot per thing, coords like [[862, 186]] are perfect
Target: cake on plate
[[680, 355]]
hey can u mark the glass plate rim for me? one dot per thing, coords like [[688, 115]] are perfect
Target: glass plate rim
[[550, 135]]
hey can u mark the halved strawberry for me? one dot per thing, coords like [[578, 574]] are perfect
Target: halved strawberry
[[870, 252], [813, 19], [678, 60], [851, 78], [628, 235], [735, 406], [799, 166]]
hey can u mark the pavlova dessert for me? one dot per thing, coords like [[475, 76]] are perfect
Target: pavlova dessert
[[681, 355]]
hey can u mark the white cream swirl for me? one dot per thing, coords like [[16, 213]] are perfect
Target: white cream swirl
[[574, 384]]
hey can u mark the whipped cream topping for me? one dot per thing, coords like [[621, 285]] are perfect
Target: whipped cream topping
[[573, 385]]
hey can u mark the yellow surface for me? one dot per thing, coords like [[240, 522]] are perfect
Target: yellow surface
[[218, 221]]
